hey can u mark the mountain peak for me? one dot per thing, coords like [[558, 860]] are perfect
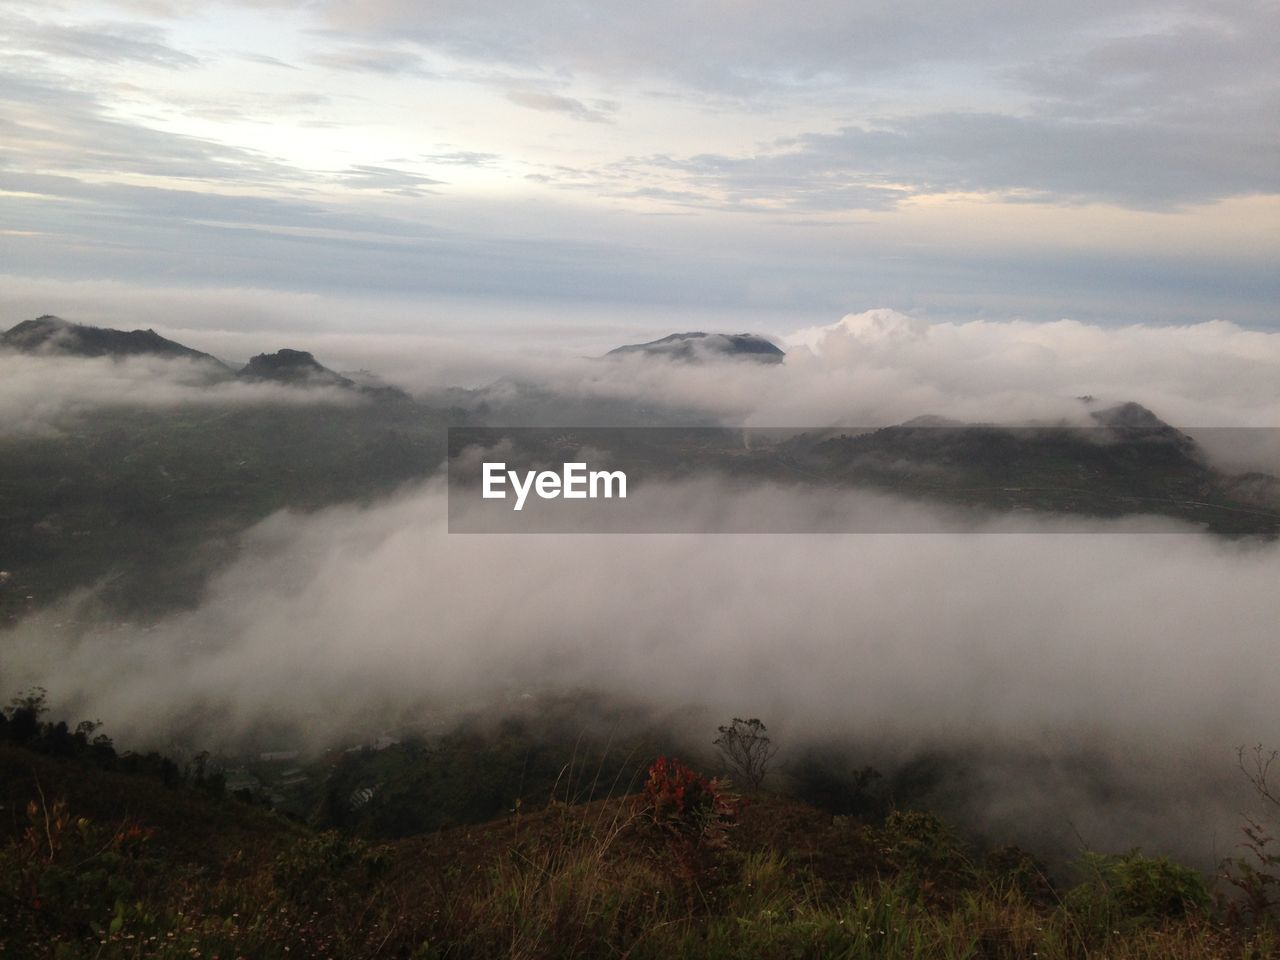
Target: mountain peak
[[53, 336], [294, 367], [1133, 421], [696, 346], [300, 368], [1129, 415]]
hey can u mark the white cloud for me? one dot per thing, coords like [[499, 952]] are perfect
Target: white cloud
[[557, 103], [1104, 645], [882, 366], [41, 394]]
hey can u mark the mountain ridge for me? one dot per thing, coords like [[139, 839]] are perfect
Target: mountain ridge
[[51, 335], [696, 346]]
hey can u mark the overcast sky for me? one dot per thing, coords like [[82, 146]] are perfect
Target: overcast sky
[[1105, 161]]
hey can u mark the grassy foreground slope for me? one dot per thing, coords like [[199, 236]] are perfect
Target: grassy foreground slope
[[95, 863]]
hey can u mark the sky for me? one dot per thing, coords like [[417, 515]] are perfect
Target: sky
[[744, 161]]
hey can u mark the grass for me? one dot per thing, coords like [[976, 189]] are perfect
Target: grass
[[108, 866]]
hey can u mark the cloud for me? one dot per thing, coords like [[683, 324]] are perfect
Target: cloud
[[1043, 137], [1040, 158], [745, 46], [266, 60], [1136, 105], [1210, 64], [1210, 374], [870, 368], [555, 103], [50, 127], [419, 344], [461, 158], [1111, 646], [111, 43], [1032, 649], [882, 366], [402, 182], [75, 227], [42, 395], [373, 60]]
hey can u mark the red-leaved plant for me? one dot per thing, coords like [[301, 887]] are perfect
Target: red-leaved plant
[[694, 814]]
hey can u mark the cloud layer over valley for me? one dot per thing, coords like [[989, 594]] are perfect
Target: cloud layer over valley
[[40, 394], [1115, 646]]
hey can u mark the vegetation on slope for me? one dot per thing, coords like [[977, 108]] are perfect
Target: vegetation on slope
[[146, 503], [95, 862]]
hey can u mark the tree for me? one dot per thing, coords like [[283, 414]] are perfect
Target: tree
[[33, 700], [747, 749], [1257, 875], [24, 713]]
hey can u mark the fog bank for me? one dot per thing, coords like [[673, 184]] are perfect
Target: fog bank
[[1154, 654]]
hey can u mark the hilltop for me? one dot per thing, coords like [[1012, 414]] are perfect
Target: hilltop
[[300, 368], [52, 336], [104, 864], [698, 346]]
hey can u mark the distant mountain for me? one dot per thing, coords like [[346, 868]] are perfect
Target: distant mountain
[[1133, 421], [1131, 447], [50, 335], [293, 367], [1123, 462], [697, 346], [144, 503], [300, 368], [1131, 462]]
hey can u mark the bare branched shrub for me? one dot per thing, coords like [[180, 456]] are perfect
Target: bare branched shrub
[[1257, 875], [747, 749]]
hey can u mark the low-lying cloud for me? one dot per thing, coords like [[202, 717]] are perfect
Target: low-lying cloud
[[881, 366], [38, 394], [1150, 654], [871, 368]]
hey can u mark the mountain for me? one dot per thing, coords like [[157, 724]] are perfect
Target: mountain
[[299, 368], [698, 346], [1132, 462], [293, 367], [1124, 462], [1133, 421], [50, 335]]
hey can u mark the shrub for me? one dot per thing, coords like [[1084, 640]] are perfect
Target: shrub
[[72, 877], [924, 850], [683, 801], [1012, 868], [321, 868], [1257, 875], [1134, 891], [692, 813]]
